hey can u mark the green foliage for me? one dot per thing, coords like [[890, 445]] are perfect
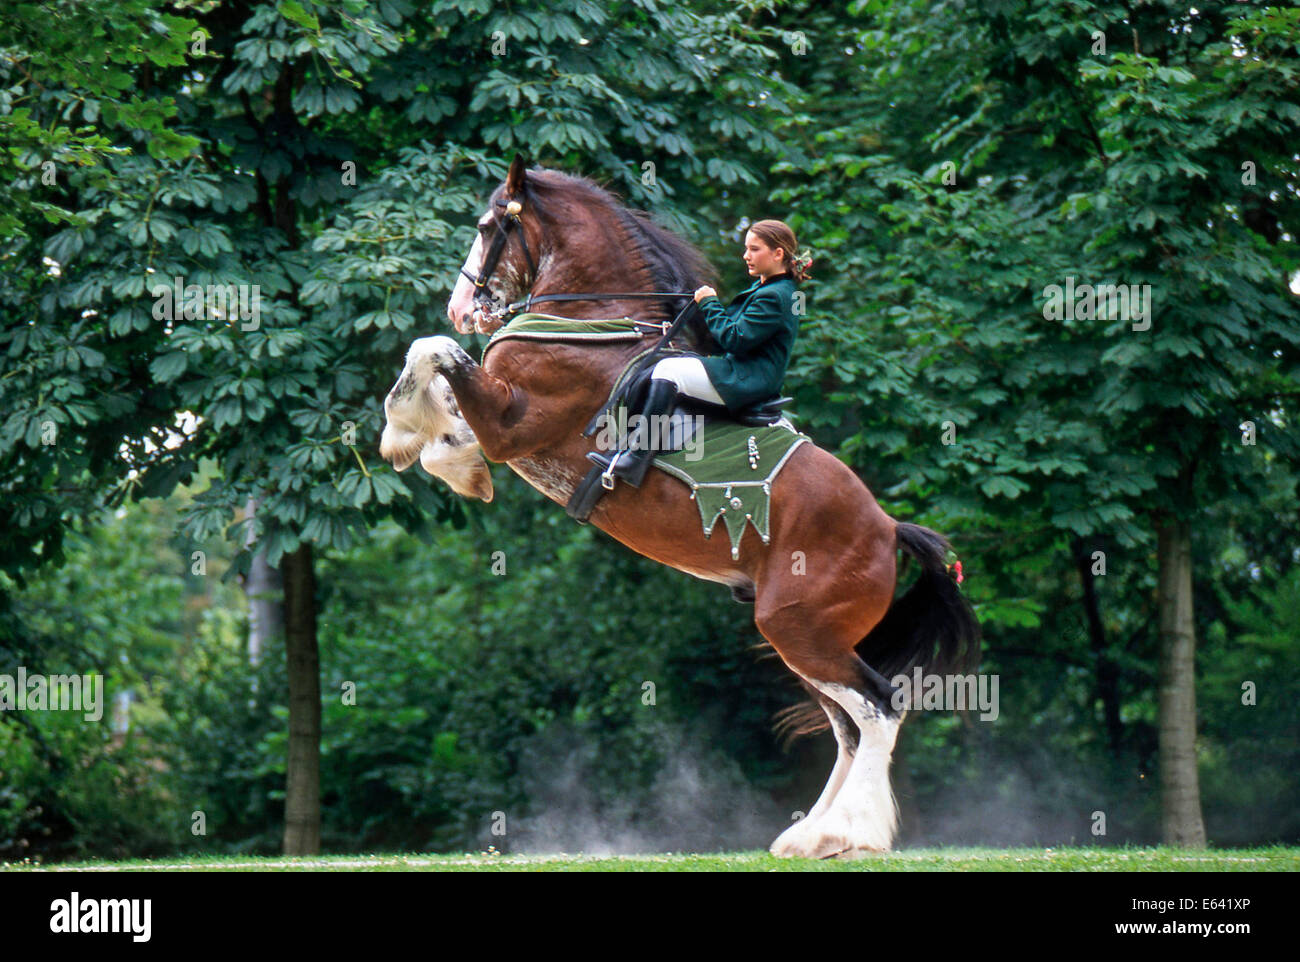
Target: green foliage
[[73, 59], [944, 177], [462, 681], [127, 607], [969, 171], [491, 656]]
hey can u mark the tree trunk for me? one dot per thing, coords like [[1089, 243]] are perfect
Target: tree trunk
[[264, 589], [302, 791], [1107, 670], [1179, 783]]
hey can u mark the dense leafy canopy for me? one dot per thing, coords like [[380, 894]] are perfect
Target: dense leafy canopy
[[947, 163]]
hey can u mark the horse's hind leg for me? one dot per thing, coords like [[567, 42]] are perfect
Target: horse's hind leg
[[863, 816], [794, 839], [857, 811], [846, 742], [817, 642]]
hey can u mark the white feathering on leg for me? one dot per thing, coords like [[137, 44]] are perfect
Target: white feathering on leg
[[424, 423]]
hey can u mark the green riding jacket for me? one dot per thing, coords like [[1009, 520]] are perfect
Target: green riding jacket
[[757, 331]]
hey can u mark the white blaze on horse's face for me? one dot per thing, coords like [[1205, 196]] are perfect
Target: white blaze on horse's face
[[461, 304], [460, 309]]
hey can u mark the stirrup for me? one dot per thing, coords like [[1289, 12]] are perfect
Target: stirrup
[[607, 463], [607, 476]]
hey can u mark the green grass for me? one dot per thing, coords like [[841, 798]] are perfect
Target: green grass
[[1272, 859]]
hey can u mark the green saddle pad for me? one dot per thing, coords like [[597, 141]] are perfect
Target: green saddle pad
[[733, 478]]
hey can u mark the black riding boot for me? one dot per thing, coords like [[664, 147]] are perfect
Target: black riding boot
[[634, 460]]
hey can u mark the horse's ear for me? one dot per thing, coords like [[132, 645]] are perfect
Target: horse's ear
[[515, 178]]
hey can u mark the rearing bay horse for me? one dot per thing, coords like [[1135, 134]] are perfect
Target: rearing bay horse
[[822, 588]]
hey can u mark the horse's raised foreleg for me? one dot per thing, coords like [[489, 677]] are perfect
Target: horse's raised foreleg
[[423, 423], [498, 412]]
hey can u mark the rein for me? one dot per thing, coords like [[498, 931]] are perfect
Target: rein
[[527, 302]]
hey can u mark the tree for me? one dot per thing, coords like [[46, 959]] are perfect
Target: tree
[[1027, 151], [312, 203]]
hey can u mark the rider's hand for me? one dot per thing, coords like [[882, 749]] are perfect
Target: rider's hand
[[704, 292]]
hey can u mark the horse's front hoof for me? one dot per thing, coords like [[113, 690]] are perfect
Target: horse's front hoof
[[440, 352]]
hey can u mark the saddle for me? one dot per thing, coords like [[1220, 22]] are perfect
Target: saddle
[[682, 423]]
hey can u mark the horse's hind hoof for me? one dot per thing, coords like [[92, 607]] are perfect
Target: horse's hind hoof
[[829, 835], [809, 838]]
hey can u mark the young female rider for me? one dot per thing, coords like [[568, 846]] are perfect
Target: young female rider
[[756, 332]]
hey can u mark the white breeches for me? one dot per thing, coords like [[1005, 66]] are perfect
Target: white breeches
[[690, 377]]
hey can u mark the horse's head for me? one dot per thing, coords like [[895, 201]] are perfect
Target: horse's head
[[503, 262], [598, 245]]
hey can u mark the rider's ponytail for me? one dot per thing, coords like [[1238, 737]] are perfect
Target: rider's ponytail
[[777, 233]]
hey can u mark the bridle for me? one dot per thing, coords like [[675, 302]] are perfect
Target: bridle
[[489, 265]]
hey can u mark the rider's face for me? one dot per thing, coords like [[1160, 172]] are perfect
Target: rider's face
[[762, 261]]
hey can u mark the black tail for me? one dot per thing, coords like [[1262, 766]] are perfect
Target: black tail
[[932, 627]]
